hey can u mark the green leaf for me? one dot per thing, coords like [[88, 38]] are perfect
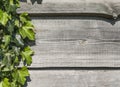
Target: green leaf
[[3, 17], [27, 31], [7, 59], [20, 75], [6, 39], [16, 50], [11, 27], [11, 2], [5, 83], [24, 71], [24, 17], [13, 84], [18, 40], [1, 84], [16, 61], [17, 3], [7, 62], [17, 23], [26, 55]]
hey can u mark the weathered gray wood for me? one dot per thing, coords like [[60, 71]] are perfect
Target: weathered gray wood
[[76, 42], [79, 7], [65, 44], [72, 78]]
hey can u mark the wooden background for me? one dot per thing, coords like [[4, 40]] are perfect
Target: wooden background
[[77, 43]]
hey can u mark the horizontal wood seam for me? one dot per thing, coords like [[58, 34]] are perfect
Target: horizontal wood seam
[[74, 68]]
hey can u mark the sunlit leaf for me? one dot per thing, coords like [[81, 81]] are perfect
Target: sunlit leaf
[[26, 55], [20, 75], [3, 17], [6, 39]]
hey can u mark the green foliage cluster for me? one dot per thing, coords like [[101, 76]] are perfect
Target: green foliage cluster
[[16, 30]]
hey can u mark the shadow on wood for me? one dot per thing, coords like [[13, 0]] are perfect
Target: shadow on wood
[[23, 0], [28, 80], [32, 1], [38, 1], [73, 68]]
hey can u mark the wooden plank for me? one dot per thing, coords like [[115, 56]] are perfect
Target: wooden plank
[[70, 1], [79, 7], [74, 78], [76, 42]]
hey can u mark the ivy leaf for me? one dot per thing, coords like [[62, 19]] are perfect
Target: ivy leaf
[[13, 84], [27, 31], [17, 3], [24, 71], [3, 17], [24, 17], [17, 23], [7, 59], [11, 27], [26, 55], [16, 50], [11, 2], [7, 62], [6, 39], [1, 84], [20, 75], [16, 61], [18, 40], [5, 83]]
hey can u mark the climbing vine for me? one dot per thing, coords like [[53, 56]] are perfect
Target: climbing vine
[[16, 30]]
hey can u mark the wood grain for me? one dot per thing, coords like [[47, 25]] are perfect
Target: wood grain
[[73, 78], [103, 8], [76, 42]]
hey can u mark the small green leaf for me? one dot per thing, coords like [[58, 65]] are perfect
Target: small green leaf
[[27, 31], [11, 27], [6, 39], [17, 3], [18, 40], [17, 23], [20, 75], [5, 83], [24, 71], [3, 17], [1, 84], [7, 62], [24, 17], [11, 2], [13, 84], [16, 61], [16, 50], [26, 55]]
